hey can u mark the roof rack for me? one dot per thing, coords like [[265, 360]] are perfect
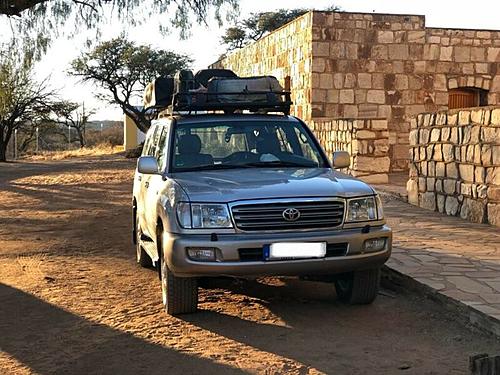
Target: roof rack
[[212, 90], [229, 102]]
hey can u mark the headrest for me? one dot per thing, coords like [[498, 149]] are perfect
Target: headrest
[[268, 144], [189, 144]]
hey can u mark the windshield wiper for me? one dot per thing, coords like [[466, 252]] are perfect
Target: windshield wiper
[[281, 164], [212, 167]]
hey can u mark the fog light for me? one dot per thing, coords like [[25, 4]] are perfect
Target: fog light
[[201, 254], [375, 244]]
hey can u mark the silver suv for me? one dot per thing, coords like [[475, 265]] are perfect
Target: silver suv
[[247, 195]]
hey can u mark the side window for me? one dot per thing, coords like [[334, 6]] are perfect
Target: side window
[[155, 141], [161, 155], [148, 145]]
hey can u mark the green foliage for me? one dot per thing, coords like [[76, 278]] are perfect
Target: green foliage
[[23, 100], [36, 22], [235, 38], [260, 24], [123, 69]]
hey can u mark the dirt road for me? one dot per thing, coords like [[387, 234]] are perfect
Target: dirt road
[[72, 299]]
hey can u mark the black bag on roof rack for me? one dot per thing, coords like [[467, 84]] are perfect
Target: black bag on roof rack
[[159, 93], [204, 75], [247, 89], [185, 81]]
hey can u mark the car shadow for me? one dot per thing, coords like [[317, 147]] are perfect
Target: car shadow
[[49, 340], [306, 311]]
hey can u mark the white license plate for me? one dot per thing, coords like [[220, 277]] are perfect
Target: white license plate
[[297, 250]]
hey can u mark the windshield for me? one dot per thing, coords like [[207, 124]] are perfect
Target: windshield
[[259, 144]]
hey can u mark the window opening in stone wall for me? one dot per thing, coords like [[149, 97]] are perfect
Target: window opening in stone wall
[[467, 97]]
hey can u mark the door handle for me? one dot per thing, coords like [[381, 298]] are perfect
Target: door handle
[[146, 184]]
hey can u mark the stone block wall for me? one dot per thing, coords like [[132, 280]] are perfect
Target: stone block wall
[[356, 65], [392, 66], [367, 141], [455, 163], [284, 53]]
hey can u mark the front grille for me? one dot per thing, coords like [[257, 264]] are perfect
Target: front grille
[[256, 254], [269, 216]]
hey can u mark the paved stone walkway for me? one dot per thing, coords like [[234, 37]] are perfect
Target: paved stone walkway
[[456, 258]]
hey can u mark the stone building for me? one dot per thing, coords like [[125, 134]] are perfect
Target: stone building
[[346, 70]]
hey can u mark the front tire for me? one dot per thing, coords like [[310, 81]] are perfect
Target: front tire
[[358, 287], [179, 294]]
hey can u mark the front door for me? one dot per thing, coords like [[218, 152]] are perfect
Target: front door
[[155, 185]]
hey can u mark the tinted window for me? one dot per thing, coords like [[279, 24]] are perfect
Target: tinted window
[[161, 149], [244, 144], [149, 148]]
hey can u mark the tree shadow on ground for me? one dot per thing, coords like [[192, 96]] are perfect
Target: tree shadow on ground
[[50, 340]]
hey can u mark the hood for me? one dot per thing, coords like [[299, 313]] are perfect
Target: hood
[[255, 183]]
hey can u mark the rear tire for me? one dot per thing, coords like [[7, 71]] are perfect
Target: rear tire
[[142, 258], [179, 294], [358, 287]]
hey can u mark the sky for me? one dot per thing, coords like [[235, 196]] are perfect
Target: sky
[[204, 44]]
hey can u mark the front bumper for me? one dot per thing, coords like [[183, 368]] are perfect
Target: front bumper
[[229, 263]]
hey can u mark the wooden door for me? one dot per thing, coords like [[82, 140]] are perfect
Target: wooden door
[[463, 98]]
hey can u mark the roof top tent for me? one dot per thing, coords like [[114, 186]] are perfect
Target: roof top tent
[[216, 90]]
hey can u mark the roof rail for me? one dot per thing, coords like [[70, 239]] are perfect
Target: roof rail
[[230, 102]]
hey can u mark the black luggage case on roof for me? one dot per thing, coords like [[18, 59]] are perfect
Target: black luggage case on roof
[[204, 76], [244, 89], [159, 93]]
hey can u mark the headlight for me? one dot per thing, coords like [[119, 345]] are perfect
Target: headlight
[[364, 209], [203, 215]]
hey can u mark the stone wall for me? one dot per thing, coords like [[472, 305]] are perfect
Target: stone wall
[[366, 141], [355, 65], [455, 163], [392, 66], [283, 53]]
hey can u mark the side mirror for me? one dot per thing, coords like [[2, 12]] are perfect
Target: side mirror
[[147, 165], [341, 159]]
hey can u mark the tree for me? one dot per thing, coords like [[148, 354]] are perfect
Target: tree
[[260, 24], [27, 130], [124, 69], [67, 113], [21, 99], [235, 38], [36, 22]]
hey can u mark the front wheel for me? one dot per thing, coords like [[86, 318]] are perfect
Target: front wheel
[[358, 287], [179, 294]]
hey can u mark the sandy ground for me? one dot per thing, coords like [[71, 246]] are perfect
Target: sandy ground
[[73, 301]]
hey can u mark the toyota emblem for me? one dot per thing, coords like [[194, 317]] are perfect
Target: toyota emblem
[[291, 214]]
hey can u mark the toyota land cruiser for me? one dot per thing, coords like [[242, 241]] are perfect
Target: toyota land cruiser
[[246, 195]]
